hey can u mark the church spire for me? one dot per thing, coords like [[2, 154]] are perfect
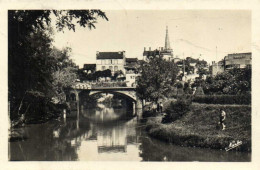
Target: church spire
[[167, 41]]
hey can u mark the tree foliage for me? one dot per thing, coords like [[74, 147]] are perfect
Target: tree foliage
[[234, 81], [157, 78], [94, 76], [177, 109], [36, 70]]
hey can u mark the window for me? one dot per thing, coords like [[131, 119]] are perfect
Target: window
[[111, 61], [116, 68], [111, 68], [247, 62], [103, 68], [99, 61]]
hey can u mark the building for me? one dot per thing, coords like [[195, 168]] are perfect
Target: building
[[131, 72], [216, 68], [175, 60], [235, 60], [238, 60], [113, 61], [89, 68], [165, 52]]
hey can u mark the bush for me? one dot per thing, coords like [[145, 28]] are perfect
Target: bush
[[179, 85], [223, 99], [199, 91], [177, 109]]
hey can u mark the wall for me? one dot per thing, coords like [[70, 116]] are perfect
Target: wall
[[130, 79], [108, 63], [216, 68]]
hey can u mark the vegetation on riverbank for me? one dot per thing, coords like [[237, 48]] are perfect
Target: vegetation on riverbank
[[39, 74], [199, 127]]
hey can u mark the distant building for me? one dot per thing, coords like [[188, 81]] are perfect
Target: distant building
[[89, 68], [235, 60], [166, 52], [175, 60], [216, 68], [131, 62], [238, 60], [131, 71], [190, 77], [113, 61]]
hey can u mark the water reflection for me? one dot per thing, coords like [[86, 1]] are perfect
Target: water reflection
[[105, 134], [112, 139]]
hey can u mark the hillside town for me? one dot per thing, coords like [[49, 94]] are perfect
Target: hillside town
[[125, 68]]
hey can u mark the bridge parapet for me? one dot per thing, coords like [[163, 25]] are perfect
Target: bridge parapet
[[94, 85]]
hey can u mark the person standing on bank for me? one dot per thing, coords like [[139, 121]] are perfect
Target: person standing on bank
[[158, 107], [161, 107], [222, 119]]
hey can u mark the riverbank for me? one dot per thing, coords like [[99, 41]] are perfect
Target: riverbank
[[198, 127]]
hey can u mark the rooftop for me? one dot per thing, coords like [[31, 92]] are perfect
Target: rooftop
[[131, 60], [89, 66], [240, 53], [110, 55]]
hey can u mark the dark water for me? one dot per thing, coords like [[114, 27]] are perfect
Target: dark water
[[105, 134]]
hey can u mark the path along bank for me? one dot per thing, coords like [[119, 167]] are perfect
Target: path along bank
[[198, 127]]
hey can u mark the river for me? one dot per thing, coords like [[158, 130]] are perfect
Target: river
[[105, 134]]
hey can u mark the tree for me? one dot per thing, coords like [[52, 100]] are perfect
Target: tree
[[233, 82], [202, 71], [65, 74], [157, 78], [106, 73], [187, 87], [31, 59], [177, 109], [117, 74]]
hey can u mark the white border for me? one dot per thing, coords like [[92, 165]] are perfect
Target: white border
[[253, 5]]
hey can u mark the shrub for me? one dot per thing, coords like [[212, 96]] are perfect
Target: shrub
[[177, 109], [223, 99], [199, 91], [180, 91], [179, 85]]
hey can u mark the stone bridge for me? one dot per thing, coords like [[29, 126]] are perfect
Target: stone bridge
[[92, 89]]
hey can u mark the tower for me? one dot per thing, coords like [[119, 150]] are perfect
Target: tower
[[167, 41], [167, 52]]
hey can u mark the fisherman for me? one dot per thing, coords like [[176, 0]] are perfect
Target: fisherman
[[161, 107], [64, 113], [154, 107], [158, 107], [22, 119], [222, 119]]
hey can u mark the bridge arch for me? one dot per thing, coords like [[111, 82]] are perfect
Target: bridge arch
[[128, 95], [72, 95]]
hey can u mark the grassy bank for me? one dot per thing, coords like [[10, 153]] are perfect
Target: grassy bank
[[198, 127]]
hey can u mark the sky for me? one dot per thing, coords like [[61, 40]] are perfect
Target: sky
[[194, 33]]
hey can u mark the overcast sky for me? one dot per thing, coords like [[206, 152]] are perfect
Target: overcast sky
[[192, 33]]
